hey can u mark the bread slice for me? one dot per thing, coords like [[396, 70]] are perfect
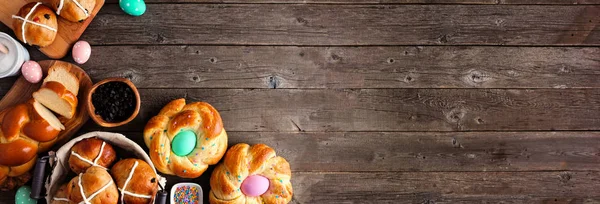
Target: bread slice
[[47, 115], [57, 98], [63, 75], [43, 125]]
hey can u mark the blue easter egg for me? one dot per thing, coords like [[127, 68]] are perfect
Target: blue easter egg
[[22, 196], [133, 7], [183, 143]]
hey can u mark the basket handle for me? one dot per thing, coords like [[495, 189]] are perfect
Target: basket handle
[[161, 197], [38, 178]]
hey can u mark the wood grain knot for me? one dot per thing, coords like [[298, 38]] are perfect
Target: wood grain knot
[[476, 78], [160, 38], [456, 144], [443, 39], [213, 60], [427, 201], [196, 79], [479, 121], [565, 177], [131, 76], [565, 69], [455, 115], [273, 82], [336, 57], [301, 20]]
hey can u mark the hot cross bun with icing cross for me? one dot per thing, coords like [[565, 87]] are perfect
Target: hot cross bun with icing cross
[[74, 10], [35, 24], [95, 186], [91, 152], [136, 180]]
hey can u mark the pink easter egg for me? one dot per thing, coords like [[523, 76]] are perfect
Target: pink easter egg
[[81, 52], [32, 71], [255, 185]]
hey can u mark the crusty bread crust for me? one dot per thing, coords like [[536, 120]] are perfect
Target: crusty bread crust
[[34, 34]]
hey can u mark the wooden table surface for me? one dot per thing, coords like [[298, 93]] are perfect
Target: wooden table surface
[[378, 101]]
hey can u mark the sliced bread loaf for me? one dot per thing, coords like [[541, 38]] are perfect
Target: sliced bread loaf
[[54, 96], [63, 75]]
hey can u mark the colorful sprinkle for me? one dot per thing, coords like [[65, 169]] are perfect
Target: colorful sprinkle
[[213, 144], [227, 173], [150, 137], [202, 148], [207, 139], [184, 171], [186, 195], [280, 180], [276, 196]]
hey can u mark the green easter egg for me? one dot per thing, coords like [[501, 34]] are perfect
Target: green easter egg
[[133, 7], [22, 196], [183, 143]]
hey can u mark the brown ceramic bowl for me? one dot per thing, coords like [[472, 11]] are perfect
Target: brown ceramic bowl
[[92, 110]]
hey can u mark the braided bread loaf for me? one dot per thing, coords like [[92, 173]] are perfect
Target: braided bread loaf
[[251, 174], [185, 139], [25, 130]]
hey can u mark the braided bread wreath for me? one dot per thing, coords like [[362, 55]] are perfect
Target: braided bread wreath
[[185, 138], [251, 174]]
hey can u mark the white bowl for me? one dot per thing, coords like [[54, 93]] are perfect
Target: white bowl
[[174, 188]]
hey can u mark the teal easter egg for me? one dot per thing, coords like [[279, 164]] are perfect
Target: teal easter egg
[[183, 143], [22, 196], [133, 7]]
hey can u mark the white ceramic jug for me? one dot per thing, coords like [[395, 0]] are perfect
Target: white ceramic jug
[[10, 63]]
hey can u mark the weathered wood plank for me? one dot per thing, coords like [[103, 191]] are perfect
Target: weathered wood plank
[[518, 2], [446, 187], [427, 151], [309, 24], [430, 187], [549, 1], [292, 110], [348, 67]]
